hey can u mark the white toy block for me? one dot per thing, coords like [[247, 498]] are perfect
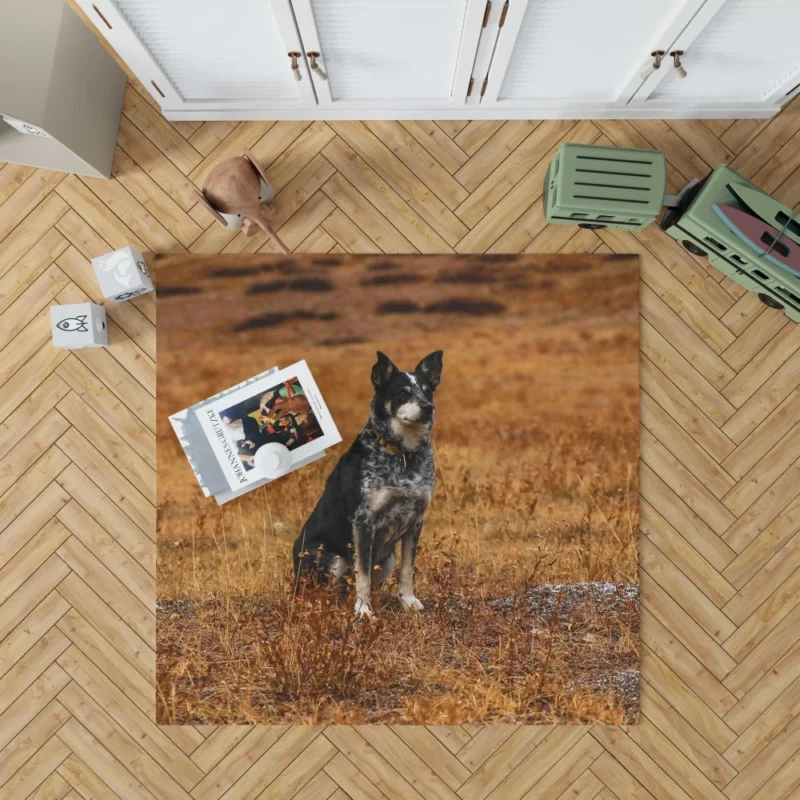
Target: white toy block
[[122, 274], [79, 325]]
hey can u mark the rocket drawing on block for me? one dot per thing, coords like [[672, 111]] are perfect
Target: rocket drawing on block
[[78, 325], [74, 324]]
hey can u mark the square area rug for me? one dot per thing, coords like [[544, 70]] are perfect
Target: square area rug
[[525, 583]]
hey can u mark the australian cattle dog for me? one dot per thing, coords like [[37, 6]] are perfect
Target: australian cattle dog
[[379, 491]]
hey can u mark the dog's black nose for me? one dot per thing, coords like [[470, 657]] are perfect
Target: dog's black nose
[[426, 412]]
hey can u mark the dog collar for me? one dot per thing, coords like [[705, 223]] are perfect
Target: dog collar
[[392, 448]]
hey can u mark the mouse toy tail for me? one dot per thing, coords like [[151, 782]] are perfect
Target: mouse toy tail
[[265, 226]]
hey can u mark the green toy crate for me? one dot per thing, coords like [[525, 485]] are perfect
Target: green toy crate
[[696, 225], [605, 187]]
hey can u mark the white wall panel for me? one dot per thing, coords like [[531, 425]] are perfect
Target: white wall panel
[[747, 50], [582, 50], [228, 49], [390, 49]]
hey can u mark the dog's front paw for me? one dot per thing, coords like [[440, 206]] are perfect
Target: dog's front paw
[[411, 603], [363, 610]]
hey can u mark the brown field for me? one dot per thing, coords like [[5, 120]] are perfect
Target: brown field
[[536, 440]]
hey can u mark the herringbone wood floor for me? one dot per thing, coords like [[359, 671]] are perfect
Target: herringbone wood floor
[[720, 485]]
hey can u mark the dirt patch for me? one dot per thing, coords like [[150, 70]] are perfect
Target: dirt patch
[[297, 285], [382, 266], [391, 279], [342, 341], [464, 305], [398, 307], [175, 291], [476, 274], [236, 272], [277, 318]]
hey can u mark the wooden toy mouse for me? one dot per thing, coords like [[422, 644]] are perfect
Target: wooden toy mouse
[[233, 188]]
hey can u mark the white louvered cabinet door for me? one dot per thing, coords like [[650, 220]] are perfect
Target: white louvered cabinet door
[[735, 51], [554, 54], [196, 55], [385, 54]]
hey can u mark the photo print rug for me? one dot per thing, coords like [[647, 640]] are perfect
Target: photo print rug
[[467, 553]]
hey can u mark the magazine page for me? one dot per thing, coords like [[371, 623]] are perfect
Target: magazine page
[[226, 495], [286, 407], [196, 446]]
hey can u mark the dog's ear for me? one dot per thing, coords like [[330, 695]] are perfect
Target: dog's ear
[[383, 370], [431, 368]]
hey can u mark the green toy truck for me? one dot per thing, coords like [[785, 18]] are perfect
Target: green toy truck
[[701, 231], [612, 187]]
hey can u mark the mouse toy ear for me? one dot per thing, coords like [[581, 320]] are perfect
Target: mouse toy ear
[[383, 370], [431, 368]]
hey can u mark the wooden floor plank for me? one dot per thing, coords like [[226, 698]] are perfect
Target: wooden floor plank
[[425, 168], [36, 661], [104, 583], [109, 552], [32, 592], [686, 558], [37, 770], [349, 200], [104, 511], [119, 635], [158, 203], [155, 164], [30, 267], [106, 773], [526, 186], [32, 721], [509, 172], [691, 458], [684, 737], [685, 413], [84, 782], [26, 236], [427, 228], [159, 131], [26, 198], [209, 135], [91, 713], [12, 176], [237, 762], [437, 143]]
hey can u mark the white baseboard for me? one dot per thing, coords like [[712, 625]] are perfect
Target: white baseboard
[[749, 111]]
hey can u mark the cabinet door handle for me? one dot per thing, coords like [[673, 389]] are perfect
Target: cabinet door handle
[[657, 56], [294, 55], [315, 68], [676, 60], [102, 17]]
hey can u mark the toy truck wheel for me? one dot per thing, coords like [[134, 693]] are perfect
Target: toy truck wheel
[[693, 248], [592, 226], [770, 301]]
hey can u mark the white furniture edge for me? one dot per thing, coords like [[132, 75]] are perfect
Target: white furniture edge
[[748, 111]]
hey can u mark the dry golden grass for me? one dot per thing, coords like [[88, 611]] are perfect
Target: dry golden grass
[[537, 448]]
